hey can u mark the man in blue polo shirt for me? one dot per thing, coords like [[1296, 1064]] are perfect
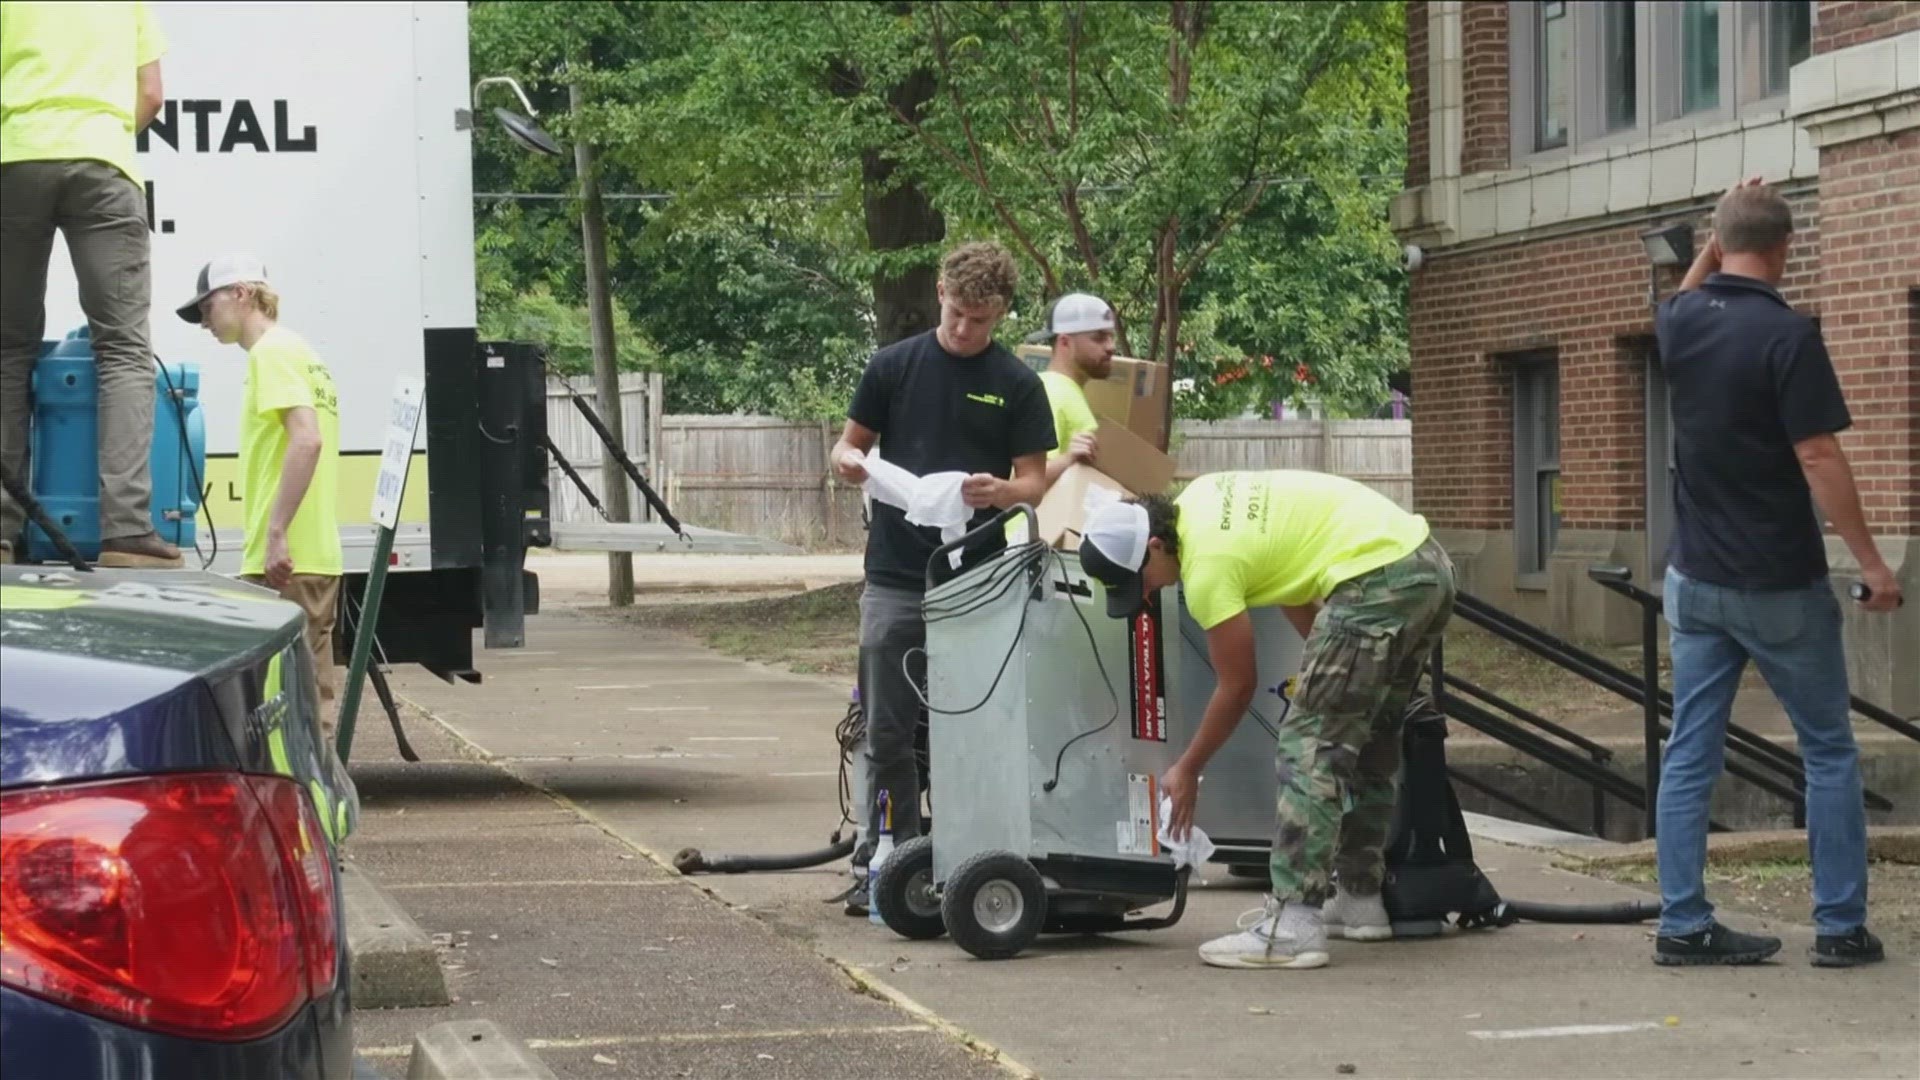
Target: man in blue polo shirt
[[1756, 406]]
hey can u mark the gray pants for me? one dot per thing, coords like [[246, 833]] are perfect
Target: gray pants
[[103, 217], [891, 624]]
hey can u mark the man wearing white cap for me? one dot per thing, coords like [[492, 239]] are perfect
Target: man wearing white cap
[[1371, 592], [289, 451], [1080, 327]]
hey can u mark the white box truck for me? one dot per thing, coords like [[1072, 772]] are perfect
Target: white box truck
[[333, 141]]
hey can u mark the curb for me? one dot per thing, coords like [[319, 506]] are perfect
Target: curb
[[1541, 838], [472, 1050], [862, 980], [394, 962], [1889, 843]]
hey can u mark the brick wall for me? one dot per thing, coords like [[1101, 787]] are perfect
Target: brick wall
[[1483, 37], [1584, 295], [1419, 124], [1870, 216], [1840, 23]]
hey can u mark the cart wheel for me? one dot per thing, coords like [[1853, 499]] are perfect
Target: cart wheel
[[994, 905], [903, 889]]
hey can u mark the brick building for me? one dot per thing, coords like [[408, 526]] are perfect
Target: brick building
[[1546, 138]]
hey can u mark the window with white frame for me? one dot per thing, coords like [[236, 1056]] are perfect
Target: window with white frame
[[1610, 70], [1536, 465]]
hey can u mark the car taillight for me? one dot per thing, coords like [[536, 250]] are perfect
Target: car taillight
[[196, 904]]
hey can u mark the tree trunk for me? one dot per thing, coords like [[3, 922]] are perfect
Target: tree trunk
[[900, 215], [606, 370]]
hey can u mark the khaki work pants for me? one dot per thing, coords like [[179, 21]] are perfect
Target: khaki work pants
[[319, 596], [103, 217]]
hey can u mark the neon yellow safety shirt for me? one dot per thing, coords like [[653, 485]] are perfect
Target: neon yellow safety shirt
[[68, 80], [283, 372], [1259, 539], [1071, 413], [1071, 416]]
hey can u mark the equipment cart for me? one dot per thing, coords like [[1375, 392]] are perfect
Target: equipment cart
[[1050, 817]]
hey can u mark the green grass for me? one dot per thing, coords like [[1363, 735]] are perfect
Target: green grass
[[817, 632]]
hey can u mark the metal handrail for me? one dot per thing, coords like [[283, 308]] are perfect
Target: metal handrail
[[1760, 762], [1746, 744], [1620, 580], [1658, 703]]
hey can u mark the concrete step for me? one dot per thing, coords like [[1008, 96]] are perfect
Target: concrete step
[[395, 964]]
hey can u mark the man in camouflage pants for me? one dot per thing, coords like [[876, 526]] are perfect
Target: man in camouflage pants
[[1371, 592]]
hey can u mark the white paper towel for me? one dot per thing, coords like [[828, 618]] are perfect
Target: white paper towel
[[1192, 851]]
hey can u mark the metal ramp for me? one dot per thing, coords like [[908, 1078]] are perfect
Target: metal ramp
[[652, 537]]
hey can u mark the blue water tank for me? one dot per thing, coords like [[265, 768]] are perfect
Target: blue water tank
[[66, 448]]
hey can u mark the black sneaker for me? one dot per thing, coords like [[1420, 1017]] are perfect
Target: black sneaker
[[1847, 950], [1714, 945]]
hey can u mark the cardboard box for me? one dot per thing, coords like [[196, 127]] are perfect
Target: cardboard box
[[1126, 457], [1124, 465], [1135, 393]]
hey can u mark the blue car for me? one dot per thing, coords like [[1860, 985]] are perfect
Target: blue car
[[170, 900]]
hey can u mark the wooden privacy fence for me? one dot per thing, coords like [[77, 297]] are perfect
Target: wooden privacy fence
[[767, 477], [640, 433], [1378, 453]]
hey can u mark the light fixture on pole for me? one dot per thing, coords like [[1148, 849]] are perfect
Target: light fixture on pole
[[521, 129], [1666, 245]]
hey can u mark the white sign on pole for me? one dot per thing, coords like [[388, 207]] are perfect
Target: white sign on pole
[[402, 421]]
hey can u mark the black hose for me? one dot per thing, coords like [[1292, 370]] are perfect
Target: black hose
[[1626, 911], [23, 498], [690, 860]]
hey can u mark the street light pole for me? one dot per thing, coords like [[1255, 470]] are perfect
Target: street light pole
[[606, 370]]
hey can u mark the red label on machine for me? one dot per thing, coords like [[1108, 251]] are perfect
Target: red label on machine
[[1149, 693]]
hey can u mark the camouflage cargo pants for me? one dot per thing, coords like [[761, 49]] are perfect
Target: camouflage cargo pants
[[1339, 750]]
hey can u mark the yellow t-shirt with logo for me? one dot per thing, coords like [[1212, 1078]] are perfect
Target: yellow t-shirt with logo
[[1286, 537], [283, 372], [1071, 413], [68, 75], [1071, 416]]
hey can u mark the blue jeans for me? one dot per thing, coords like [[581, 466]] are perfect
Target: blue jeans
[[1794, 637]]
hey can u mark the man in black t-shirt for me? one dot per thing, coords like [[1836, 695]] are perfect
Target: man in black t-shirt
[[1756, 405], [948, 400]]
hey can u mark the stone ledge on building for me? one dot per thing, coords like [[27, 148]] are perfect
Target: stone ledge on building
[[1858, 92]]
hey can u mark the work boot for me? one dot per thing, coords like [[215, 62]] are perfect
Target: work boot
[[1714, 945], [1278, 935], [1359, 918], [1847, 950], [147, 552]]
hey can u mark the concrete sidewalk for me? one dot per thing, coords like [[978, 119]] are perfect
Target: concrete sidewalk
[[668, 745], [606, 964]]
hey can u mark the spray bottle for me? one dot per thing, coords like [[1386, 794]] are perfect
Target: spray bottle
[[882, 848]]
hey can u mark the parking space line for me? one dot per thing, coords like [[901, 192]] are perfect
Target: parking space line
[[664, 755], [557, 883], [1567, 1029], [685, 1037]]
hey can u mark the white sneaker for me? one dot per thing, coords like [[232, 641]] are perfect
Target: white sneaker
[[1359, 918], [1275, 936]]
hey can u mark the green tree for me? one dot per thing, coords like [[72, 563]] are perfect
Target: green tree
[[1219, 171]]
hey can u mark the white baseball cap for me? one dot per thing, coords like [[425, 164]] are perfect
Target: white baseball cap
[[1113, 548], [1080, 313], [224, 270]]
